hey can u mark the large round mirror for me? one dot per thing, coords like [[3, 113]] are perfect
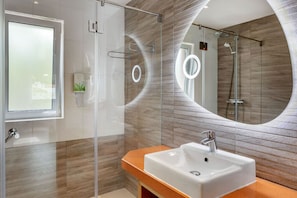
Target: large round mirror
[[246, 72]]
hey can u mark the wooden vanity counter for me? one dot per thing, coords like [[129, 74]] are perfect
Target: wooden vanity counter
[[133, 163]]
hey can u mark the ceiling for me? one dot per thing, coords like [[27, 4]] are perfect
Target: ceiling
[[225, 13]]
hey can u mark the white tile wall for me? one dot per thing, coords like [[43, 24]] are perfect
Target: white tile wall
[[79, 56]]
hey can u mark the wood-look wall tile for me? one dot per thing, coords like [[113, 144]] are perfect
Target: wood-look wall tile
[[265, 73], [180, 116], [34, 171], [64, 169]]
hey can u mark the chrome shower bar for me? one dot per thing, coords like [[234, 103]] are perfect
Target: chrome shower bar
[[159, 16], [228, 32]]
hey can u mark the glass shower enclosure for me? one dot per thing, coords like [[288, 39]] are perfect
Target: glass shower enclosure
[[111, 83], [129, 76]]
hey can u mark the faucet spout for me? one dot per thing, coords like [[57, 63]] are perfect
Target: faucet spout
[[210, 140]]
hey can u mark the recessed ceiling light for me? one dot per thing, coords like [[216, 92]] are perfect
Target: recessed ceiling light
[[206, 6], [36, 2]]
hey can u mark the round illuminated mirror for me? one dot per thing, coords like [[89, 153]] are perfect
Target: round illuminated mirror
[[191, 66], [246, 72], [136, 73]]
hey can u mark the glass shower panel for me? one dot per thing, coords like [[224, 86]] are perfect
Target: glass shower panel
[[249, 80], [2, 71], [129, 96], [143, 41], [55, 158]]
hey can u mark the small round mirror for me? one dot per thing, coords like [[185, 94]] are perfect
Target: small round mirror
[[187, 68], [191, 66]]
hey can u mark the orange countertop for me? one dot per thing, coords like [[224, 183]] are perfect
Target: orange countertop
[[133, 163]]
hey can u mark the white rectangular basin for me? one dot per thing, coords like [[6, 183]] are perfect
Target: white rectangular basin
[[199, 173]]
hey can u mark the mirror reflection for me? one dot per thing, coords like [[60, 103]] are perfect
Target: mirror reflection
[[135, 69], [189, 69], [246, 72]]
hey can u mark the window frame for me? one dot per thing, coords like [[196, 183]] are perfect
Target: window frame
[[57, 111]]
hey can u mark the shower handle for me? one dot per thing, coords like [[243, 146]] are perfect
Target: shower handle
[[13, 132]]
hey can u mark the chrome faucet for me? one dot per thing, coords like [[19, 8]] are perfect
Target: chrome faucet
[[210, 140]]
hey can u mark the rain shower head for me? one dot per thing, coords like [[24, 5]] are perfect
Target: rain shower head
[[226, 44]]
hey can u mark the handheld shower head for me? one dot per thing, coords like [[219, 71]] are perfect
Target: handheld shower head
[[226, 44]]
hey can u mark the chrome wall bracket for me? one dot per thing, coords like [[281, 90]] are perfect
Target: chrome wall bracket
[[93, 27], [160, 18]]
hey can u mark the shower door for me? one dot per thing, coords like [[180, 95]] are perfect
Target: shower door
[[54, 157], [129, 89]]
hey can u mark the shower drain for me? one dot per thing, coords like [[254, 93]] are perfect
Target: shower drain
[[196, 173]]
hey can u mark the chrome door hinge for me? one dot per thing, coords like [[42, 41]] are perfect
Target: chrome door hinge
[[93, 27]]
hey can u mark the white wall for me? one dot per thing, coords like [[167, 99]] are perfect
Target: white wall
[[111, 71], [79, 45]]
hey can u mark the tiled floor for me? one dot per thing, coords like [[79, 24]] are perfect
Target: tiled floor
[[121, 193]]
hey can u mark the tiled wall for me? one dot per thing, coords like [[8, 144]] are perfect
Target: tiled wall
[[143, 99], [272, 144], [55, 158], [143, 108], [78, 57], [64, 169]]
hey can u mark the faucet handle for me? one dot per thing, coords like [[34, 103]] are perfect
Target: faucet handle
[[210, 134]]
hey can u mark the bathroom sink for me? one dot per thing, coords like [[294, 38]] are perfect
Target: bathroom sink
[[199, 173]]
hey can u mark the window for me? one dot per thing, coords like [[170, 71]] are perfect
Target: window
[[34, 67]]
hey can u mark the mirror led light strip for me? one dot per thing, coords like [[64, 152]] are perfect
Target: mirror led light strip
[[136, 67], [196, 59]]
